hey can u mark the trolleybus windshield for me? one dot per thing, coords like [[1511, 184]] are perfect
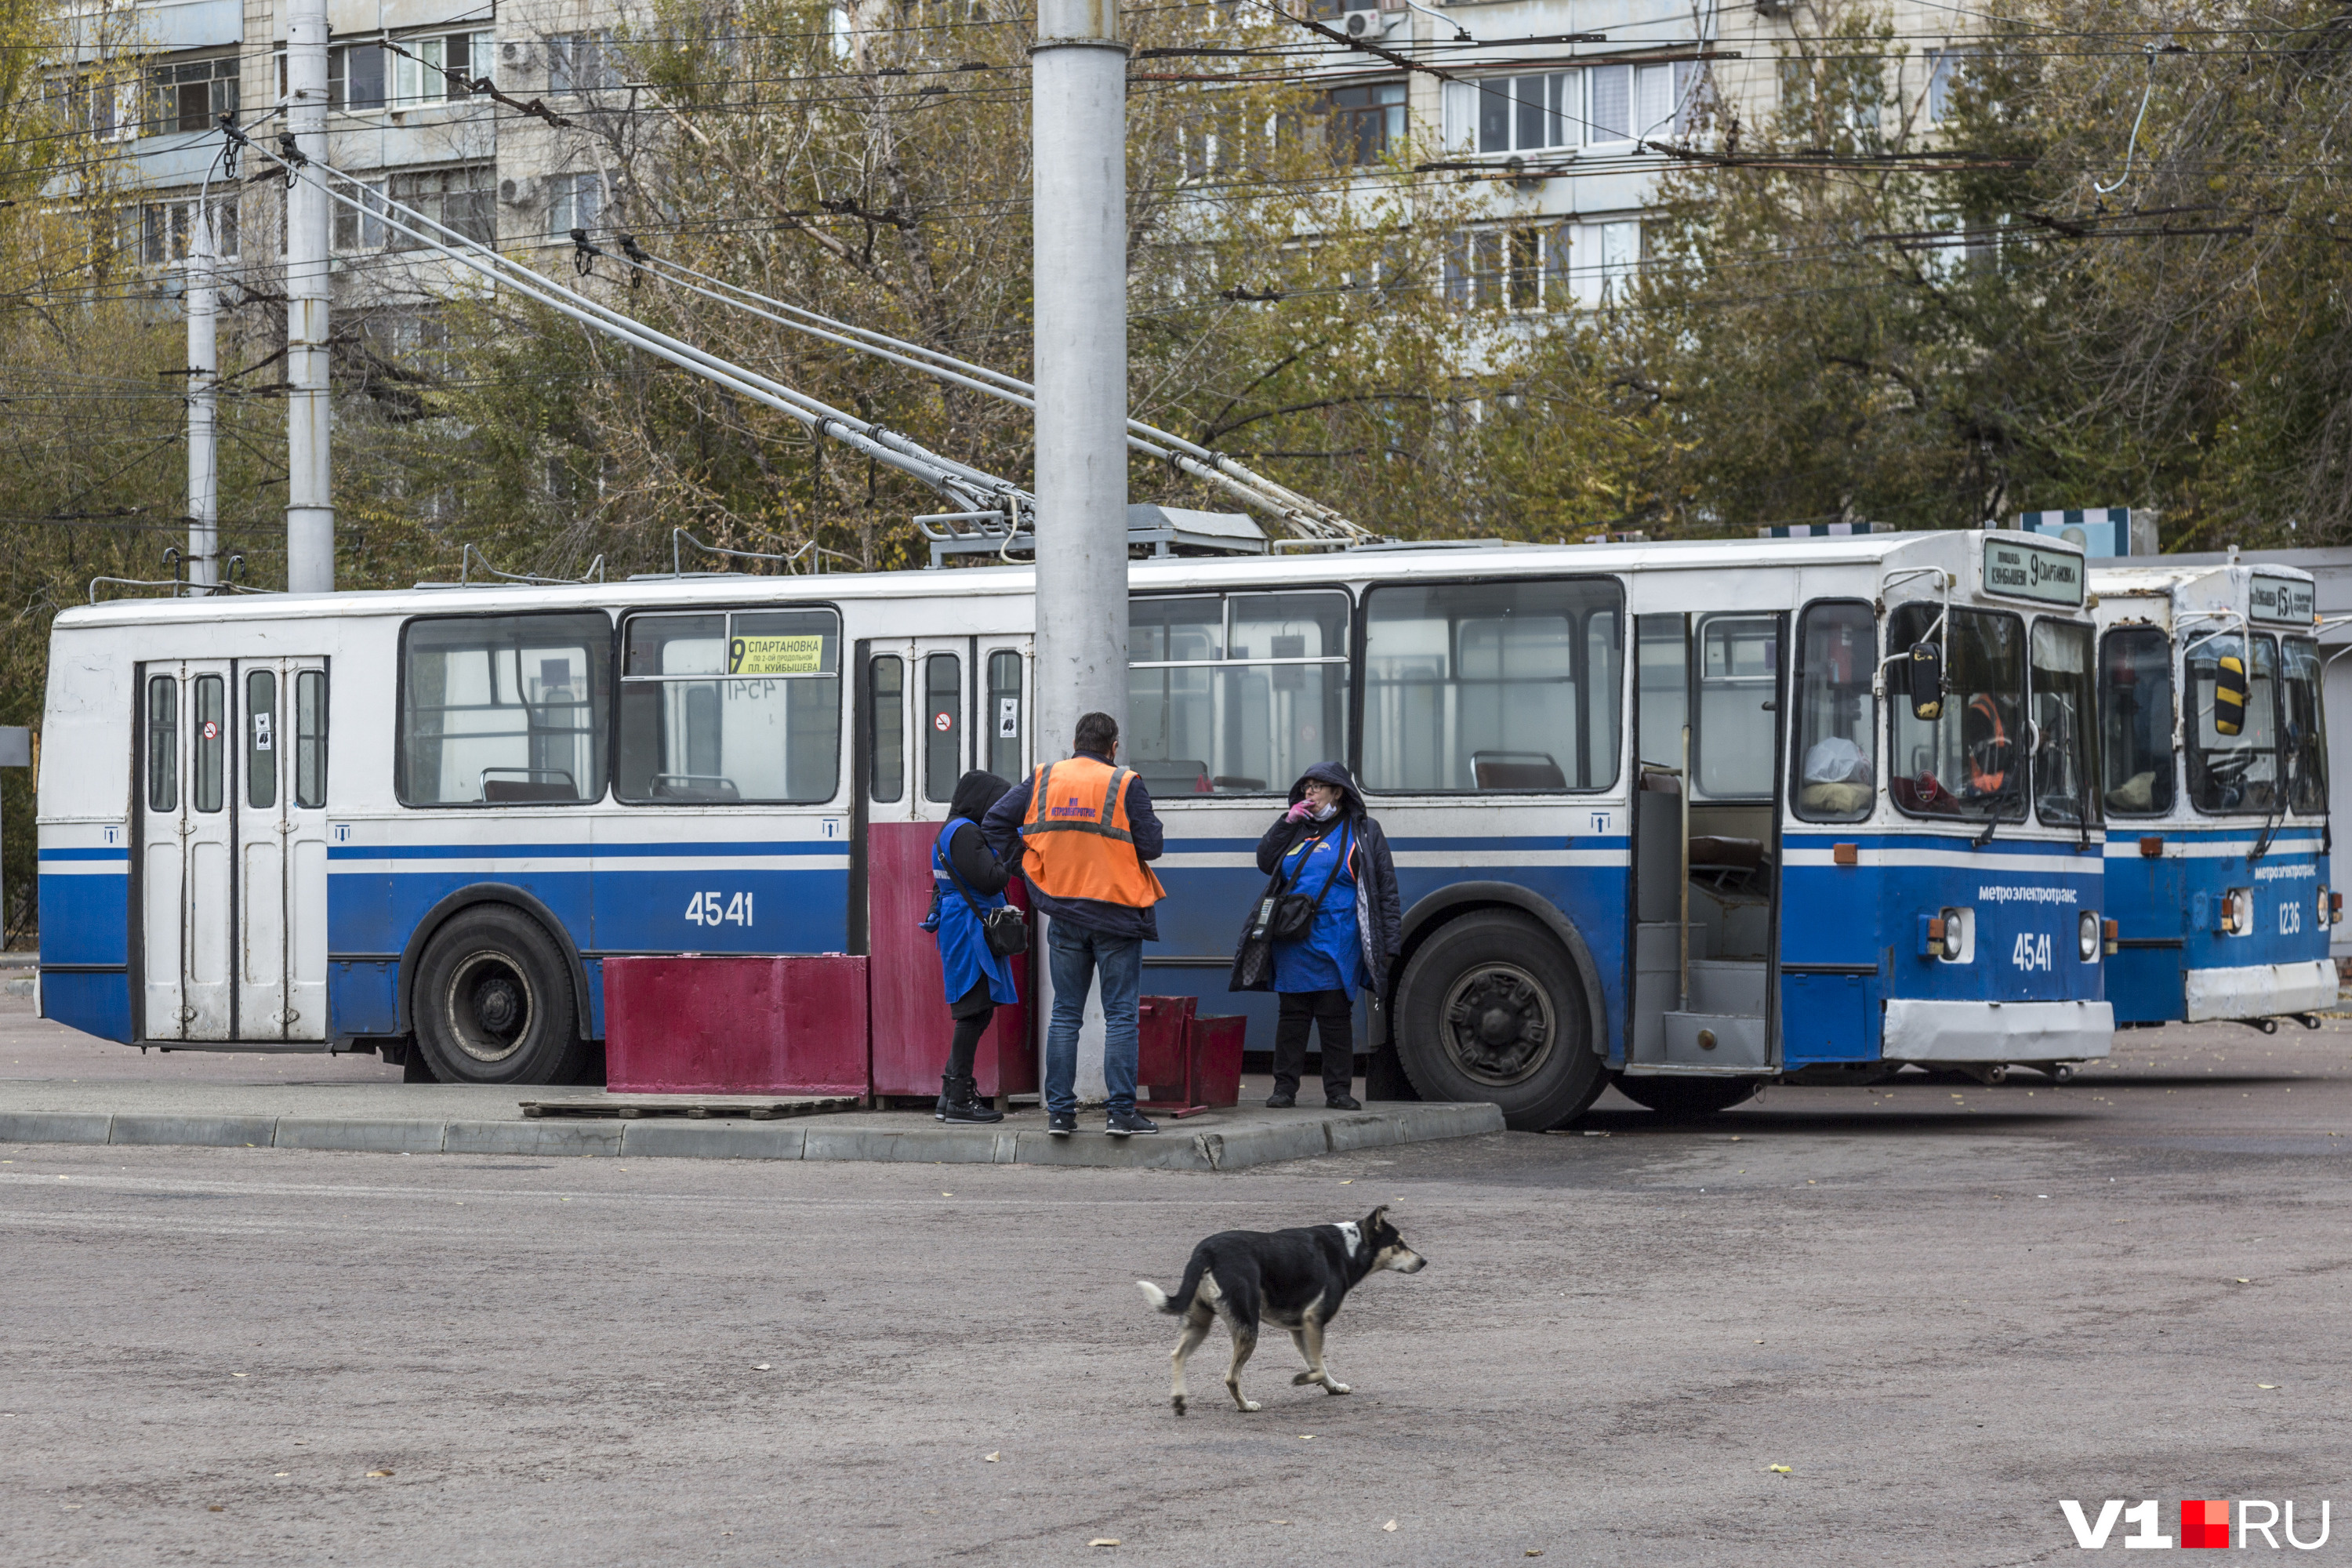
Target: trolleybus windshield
[[2065, 724], [2232, 773], [1970, 760], [2305, 724], [2135, 713]]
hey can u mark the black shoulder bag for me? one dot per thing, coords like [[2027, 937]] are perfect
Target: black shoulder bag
[[1286, 914], [1005, 929]]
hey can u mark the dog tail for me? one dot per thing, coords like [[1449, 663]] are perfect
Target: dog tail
[[1178, 1304]]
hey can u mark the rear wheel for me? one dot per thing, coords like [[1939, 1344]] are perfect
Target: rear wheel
[[1491, 1008], [493, 1001], [1688, 1099]]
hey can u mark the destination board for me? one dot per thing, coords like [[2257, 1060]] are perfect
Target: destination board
[[2284, 601], [2016, 569]]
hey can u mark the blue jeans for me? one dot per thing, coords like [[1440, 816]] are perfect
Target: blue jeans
[[1076, 956]]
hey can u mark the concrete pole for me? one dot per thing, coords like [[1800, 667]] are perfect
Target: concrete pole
[[309, 493], [1079, 128], [203, 305]]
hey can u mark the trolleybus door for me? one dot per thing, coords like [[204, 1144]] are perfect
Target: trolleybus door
[[281, 849], [924, 697], [186, 865]]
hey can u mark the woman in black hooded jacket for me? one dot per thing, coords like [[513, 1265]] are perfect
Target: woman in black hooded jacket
[[1327, 846]]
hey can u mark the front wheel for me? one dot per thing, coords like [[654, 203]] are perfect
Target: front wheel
[[493, 1001], [1688, 1099], [1492, 1008]]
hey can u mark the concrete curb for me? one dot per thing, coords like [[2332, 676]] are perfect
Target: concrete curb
[[1174, 1148]]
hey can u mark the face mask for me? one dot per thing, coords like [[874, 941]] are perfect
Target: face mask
[[1325, 813]]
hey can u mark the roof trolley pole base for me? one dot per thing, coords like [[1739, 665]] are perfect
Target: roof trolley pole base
[[1079, 134]]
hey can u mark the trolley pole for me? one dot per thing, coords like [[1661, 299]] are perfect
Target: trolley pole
[[1078, 130], [203, 305], [309, 494]]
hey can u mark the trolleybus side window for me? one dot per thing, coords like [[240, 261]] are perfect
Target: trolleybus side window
[[2136, 721], [162, 744], [885, 679], [725, 706], [1664, 687], [1235, 693], [1731, 744], [211, 718], [1837, 718], [2232, 772], [2065, 723], [2300, 689], [1969, 761], [311, 739], [1003, 714], [504, 710], [1494, 687], [261, 738]]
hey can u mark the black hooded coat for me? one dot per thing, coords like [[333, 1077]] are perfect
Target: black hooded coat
[[968, 850], [1379, 914]]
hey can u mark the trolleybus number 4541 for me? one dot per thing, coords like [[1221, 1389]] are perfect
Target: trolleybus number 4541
[[719, 909], [2031, 952]]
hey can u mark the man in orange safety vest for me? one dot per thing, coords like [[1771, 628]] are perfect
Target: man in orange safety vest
[[1085, 830]]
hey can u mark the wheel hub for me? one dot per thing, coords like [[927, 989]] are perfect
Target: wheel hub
[[1498, 1023], [489, 1007]]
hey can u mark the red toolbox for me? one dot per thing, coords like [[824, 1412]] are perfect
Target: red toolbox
[[1185, 1063], [736, 1025]]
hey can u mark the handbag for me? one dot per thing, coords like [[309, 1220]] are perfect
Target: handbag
[[1005, 929], [1287, 914]]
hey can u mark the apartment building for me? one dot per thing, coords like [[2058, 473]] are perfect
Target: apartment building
[[1551, 105], [1553, 101], [151, 81]]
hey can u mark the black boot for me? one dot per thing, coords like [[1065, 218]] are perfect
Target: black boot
[[959, 1101]]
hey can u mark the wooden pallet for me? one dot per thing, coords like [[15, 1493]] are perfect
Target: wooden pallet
[[694, 1109]]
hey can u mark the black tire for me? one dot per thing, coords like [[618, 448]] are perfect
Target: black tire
[[493, 1001], [1491, 1008], [1688, 1099]]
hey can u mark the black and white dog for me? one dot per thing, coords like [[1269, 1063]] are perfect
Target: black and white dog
[[1294, 1278]]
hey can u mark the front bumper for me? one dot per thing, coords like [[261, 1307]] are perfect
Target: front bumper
[[2260, 990], [1924, 1031]]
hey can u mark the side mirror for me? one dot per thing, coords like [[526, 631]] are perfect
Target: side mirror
[[1927, 686], [2230, 695]]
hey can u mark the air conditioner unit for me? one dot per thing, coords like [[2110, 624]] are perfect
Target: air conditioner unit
[[1363, 24], [514, 56], [518, 193]]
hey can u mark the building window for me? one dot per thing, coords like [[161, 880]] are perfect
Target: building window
[[1513, 268], [1365, 123], [458, 199], [191, 95], [421, 75], [362, 227], [1943, 74], [167, 230], [1595, 106], [575, 201], [581, 62]]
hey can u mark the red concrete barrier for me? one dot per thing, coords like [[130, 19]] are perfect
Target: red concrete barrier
[[736, 1025], [1185, 1063]]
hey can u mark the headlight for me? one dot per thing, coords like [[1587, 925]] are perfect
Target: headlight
[[2086, 936], [2328, 904], [2237, 911], [1949, 935]]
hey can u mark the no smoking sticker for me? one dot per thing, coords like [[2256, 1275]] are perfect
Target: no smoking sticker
[[212, 730], [943, 722]]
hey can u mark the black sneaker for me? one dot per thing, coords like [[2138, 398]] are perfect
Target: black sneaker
[[1062, 1123], [1278, 1101], [1342, 1101], [1124, 1124]]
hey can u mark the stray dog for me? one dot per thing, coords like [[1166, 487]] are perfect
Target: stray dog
[[1295, 1278]]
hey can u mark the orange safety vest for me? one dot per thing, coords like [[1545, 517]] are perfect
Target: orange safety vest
[[1077, 838]]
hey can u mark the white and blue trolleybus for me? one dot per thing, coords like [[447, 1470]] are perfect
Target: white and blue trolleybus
[[1691, 817], [2214, 752]]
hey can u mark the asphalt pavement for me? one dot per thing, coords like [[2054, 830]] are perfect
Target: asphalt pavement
[[1834, 1326]]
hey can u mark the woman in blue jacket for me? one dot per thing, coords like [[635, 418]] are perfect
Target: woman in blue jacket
[[1327, 846], [978, 981]]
